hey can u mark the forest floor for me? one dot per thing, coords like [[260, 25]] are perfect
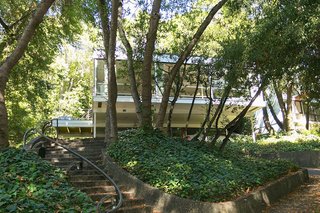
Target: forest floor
[[306, 198]]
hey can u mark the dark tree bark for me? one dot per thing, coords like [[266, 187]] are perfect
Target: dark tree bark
[[112, 81], [147, 65], [13, 59], [182, 58], [104, 14], [109, 41], [273, 113], [194, 97], [286, 108], [288, 121], [307, 114], [217, 114], [234, 124], [266, 119], [175, 98], [131, 73]]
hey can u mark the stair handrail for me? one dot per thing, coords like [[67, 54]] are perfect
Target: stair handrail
[[119, 199]]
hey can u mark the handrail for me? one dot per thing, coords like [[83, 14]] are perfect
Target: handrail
[[119, 199]]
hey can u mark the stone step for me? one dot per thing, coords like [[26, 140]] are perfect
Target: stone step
[[98, 196], [66, 165], [135, 209], [77, 149], [97, 189], [78, 178], [72, 159], [86, 183], [129, 202], [50, 155], [85, 171]]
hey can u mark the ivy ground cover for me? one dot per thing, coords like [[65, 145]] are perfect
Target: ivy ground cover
[[191, 169], [29, 184]]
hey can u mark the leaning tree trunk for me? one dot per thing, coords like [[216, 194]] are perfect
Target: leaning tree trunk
[[13, 59], [182, 58], [234, 124], [147, 65], [273, 113], [131, 73], [194, 98], [175, 98]]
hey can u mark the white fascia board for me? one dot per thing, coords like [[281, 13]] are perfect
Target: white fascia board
[[71, 123]]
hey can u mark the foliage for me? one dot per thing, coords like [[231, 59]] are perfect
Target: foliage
[[29, 184], [276, 144], [32, 83], [190, 169]]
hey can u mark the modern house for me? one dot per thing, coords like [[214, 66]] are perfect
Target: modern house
[[125, 106]]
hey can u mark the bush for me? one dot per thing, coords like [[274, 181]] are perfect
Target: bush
[[291, 143], [29, 184], [191, 169]]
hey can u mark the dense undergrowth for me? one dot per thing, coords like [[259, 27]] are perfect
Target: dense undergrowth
[[29, 184], [190, 169], [245, 145]]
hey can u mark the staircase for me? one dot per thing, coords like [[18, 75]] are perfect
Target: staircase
[[86, 178]]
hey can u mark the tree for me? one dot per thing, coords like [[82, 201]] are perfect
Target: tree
[[33, 83], [147, 65], [109, 40], [12, 60], [179, 63]]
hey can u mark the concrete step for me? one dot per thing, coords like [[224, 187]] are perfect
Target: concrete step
[[135, 209], [73, 159], [77, 178], [66, 165], [97, 189], [50, 155], [86, 183], [129, 203], [98, 196], [77, 149]]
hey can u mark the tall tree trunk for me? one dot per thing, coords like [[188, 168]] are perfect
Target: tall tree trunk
[[182, 58], [131, 73], [280, 102], [307, 114], [104, 17], [12, 60], [288, 121], [266, 119], [147, 65], [112, 81]]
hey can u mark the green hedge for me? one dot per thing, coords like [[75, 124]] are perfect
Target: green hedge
[[29, 184], [190, 169]]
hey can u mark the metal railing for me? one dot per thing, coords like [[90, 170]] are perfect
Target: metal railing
[[42, 138]]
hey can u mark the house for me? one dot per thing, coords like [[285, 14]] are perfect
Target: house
[[125, 106]]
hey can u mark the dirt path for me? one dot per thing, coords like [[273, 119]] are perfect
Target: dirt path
[[304, 199]]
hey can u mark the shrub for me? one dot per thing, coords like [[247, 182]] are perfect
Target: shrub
[[29, 184], [291, 143], [191, 169]]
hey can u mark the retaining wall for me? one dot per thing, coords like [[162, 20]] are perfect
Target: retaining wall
[[167, 203], [302, 158]]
